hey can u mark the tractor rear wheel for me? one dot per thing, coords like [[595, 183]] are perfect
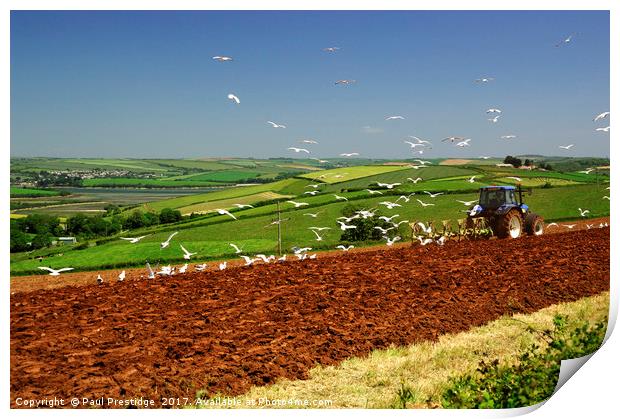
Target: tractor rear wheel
[[534, 224], [510, 225]]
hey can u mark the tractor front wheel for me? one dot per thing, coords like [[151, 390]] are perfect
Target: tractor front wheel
[[534, 224], [510, 225]]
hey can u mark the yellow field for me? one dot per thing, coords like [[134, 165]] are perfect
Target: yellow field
[[349, 173]]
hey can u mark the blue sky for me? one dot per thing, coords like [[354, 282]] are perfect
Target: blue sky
[[143, 84]]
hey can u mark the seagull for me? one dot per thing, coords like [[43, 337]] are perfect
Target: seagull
[[390, 205], [423, 241], [414, 145], [200, 268], [507, 137], [183, 268], [606, 197], [311, 193], [569, 226], [453, 139], [433, 195], [472, 179], [441, 241], [223, 265], [165, 270], [299, 250], [388, 219], [370, 191], [308, 142], [565, 40], [234, 98], [186, 255], [318, 236], [605, 129], [391, 241], [121, 276], [340, 198], [312, 215], [331, 49], [416, 180], [484, 157], [484, 79], [319, 228], [566, 147], [344, 226], [167, 242], [464, 143], [316, 185], [237, 248], [587, 171], [319, 160], [493, 110], [518, 179], [422, 161], [298, 204], [282, 259], [396, 225], [583, 213], [222, 58], [601, 116], [494, 119], [383, 230], [224, 212], [133, 239], [345, 249], [247, 260], [99, 279], [298, 150], [467, 203], [274, 125], [240, 206], [405, 198], [420, 141], [151, 273], [424, 204], [388, 185], [265, 258], [552, 225], [390, 118], [349, 154], [344, 81]]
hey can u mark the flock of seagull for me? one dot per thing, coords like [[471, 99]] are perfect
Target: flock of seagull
[[425, 233]]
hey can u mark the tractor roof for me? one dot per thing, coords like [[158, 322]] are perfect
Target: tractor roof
[[498, 187]]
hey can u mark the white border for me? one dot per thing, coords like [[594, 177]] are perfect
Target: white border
[[591, 392]]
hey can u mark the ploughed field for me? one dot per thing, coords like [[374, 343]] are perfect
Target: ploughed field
[[225, 331]]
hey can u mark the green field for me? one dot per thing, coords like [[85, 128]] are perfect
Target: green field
[[210, 236], [30, 192], [225, 176]]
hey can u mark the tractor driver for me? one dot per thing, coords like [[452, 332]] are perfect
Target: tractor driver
[[495, 200]]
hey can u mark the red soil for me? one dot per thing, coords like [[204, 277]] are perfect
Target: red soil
[[226, 331]]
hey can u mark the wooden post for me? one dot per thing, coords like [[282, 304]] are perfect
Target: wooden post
[[279, 231]]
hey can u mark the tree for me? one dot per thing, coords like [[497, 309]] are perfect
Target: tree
[[169, 215], [516, 162], [527, 162], [135, 220], [19, 240], [365, 227], [41, 240]]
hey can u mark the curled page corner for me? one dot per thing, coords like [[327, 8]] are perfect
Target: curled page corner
[[568, 367]]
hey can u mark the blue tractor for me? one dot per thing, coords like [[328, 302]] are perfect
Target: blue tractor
[[507, 217]]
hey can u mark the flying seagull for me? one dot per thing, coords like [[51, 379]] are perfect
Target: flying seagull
[[493, 110], [518, 179], [472, 179], [274, 125], [224, 212], [507, 137], [298, 150], [186, 254], [424, 204], [601, 116], [318, 236], [370, 191], [467, 203], [167, 242], [340, 198], [453, 139], [237, 248], [133, 239], [583, 213], [331, 49], [565, 40], [388, 185], [234, 98], [349, 154], [222, 58], [605, 129], [240, 206], [309, 142], [464, 143], [390, 118], [416, 180], [494, 119], [345, 249], [344, 226], [312, 215], [484, 79], [566, 147], [298, 204], [344, 82], [54, 272], [433, 195]]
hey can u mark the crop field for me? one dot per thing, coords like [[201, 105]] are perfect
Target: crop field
[[67, 209], [28, 192], [139, 182], [228, 203], [349, 173], [247, 327]]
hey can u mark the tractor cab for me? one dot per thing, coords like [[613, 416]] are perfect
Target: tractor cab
[[500, 198]]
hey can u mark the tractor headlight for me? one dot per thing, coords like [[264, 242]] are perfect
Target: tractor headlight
[[475, 210]]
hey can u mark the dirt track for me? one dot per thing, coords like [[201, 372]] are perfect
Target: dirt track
[[225, 331]]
